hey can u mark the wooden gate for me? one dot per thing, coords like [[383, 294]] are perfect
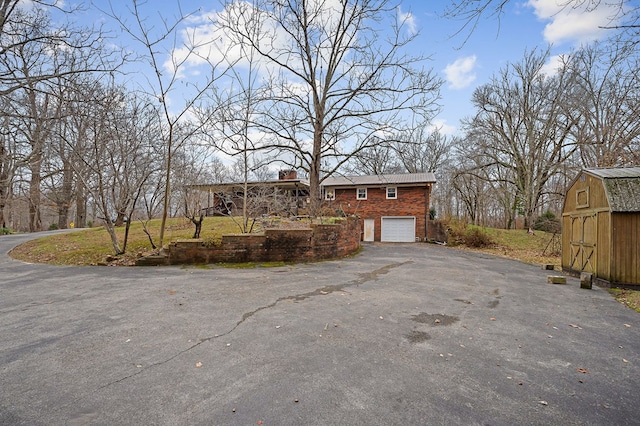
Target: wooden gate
[[584, 236]]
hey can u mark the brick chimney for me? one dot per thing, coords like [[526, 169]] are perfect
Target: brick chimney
[[287, 175]]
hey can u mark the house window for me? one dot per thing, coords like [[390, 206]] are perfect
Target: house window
[[330, 194], [392, 193], [361, 193]]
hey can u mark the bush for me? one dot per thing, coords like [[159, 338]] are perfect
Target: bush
[[5, 231], [53, 227], [477, 238], [432, 213], [547, 222], [456, 230]]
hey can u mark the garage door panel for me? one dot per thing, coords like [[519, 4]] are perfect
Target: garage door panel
[[398, 229]]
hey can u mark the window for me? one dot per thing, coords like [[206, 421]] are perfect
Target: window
[[361, 194], [392, 192], [330, 194]]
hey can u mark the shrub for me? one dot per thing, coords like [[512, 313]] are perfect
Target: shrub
[[456, 230], [432, 213], [547, 222], [477, 238], [5, 231], [53, 227]]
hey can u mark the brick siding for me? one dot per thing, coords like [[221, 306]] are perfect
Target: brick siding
[[410, 201]]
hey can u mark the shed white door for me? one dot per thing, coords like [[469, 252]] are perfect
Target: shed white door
[[398, 229]]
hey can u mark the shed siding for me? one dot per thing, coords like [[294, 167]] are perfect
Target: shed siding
[[596, 236], [585, 219], [625, 236], [604, 246], [592, 188]]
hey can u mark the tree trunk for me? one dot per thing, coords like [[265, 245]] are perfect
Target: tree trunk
[[35, 221], [198, 224], [112, 234], [119, 219], [66, 195], [81, 208]]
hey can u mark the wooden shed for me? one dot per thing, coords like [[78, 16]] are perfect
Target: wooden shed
[[601, 226]]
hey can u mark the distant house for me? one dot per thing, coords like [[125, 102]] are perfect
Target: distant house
[[394, 207], [601, 225], [285, 195]]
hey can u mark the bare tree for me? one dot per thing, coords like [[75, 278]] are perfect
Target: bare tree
[[423, 150], [524, 124], [167, 80], [377, 159], [608, 82], [625, 16], [334, 80], [8, 162], [118, 154], [230, 120]]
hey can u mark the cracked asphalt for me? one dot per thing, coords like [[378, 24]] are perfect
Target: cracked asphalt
[[399, 334]]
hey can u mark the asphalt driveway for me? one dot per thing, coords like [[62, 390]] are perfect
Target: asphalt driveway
[[402, 334]]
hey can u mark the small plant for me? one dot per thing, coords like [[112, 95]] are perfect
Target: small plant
[[5, 231], [53, 227], [212, 241], [432, 213]]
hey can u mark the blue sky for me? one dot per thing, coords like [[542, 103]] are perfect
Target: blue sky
[[523, 26], [465, 65]]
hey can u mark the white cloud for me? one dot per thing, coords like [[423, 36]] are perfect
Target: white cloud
[[573, 22], [409, 20], [461, 73], [440, 125], [553, 65]]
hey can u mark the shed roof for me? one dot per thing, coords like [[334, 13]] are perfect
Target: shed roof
[[622, 186], [389, 179]]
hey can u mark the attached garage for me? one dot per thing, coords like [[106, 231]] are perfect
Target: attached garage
[[397, 229], [601, 226]]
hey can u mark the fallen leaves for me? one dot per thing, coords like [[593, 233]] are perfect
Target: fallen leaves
[[582, 370], [198, 364]]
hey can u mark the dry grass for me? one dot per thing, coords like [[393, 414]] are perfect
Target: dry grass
[[539, 248], [93, 246]]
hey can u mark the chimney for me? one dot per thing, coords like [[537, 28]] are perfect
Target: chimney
[[287, 175]]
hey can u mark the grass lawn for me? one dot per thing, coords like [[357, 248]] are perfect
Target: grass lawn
[[92, 246], [539, 248]]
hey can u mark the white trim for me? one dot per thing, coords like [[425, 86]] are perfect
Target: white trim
[[330, 194], [358, 194], [395, 192]]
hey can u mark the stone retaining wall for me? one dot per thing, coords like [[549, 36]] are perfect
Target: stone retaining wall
[[275, 245]]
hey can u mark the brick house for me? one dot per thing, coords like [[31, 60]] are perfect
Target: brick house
[[394, 208]]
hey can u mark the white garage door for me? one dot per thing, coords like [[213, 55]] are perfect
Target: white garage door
[[398, 229]]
